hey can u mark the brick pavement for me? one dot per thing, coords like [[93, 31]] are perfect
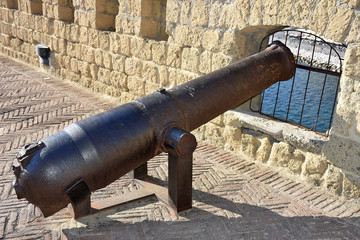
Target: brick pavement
[[233, 198]]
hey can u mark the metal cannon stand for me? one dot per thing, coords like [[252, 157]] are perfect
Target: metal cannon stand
[[180, 146]]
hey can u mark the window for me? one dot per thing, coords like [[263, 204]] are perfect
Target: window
[[309, 98]]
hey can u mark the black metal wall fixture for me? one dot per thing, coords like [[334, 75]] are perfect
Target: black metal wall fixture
[[308, 99]]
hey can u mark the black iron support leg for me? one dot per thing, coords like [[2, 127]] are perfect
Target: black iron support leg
[[180, 146], [140, 172]]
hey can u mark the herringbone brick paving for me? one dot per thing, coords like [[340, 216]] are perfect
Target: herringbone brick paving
[[233, 198]]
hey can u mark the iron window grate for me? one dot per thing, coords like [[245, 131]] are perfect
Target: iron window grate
[[309, 98]]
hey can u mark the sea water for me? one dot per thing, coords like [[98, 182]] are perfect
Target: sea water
[[277, 101]]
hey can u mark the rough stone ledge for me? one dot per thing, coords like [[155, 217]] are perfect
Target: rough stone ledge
[[281, 131]]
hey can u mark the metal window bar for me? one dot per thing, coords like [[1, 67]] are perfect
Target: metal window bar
[[312, 69]]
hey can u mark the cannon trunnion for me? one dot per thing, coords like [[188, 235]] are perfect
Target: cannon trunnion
[[92, 153]]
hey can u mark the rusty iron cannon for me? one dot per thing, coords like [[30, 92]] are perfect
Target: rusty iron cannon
[[90, 154]]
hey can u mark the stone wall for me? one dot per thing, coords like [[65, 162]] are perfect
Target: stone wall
[[128, 48]]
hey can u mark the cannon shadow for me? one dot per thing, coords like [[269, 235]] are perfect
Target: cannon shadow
[[212, 217]]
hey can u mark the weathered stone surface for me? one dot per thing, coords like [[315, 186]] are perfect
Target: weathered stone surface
[[334, 179], [270, 9], [351, 3], [283, 155], [232, 137], [159, 52], [190, 59], [228, 16], [205, 62], [256, 13], [174, 55], [300, 14], [285, 7], [249, 145], [185, 13], [354, 34], [133, 66], [136, 85], [172, 11], [214, 15], [351, 62], [243, 13], [200, 14], [314, 164], [220, 60], [321, 15], [339, 23], [211, 40], [150, 73], [350, 190], [263, 152]]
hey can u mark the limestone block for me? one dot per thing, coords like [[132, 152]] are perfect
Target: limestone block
[[233, 43], [263, 152], [281, 154], [232, 138], [301, 13], [188, 36], [105, 22], [178, 77], [133, 66], [114, 42], [118, 62], [172, 11], [228, 17], [134, 8], [74, 65], [83, 35], [85, 81], [190, 59], [141, 48], [151, 87], [343, 152], [315, 164], [220, 60], [88, 53], [93, 38], [200, 14], [150, 73], [74, 33], [214, 14], [320, 17], [104, 40], [296, 162], [94, 69], [205, 62], [185, 13], [351, 62], [65, 63], [211, 40], [136, 85], [351, 3], [64, 13], [84, 68], [104, 75], [249, 145], [159, 52], [270, 12], [243, 12], [339, 23], [149, 29], [334, 179], [350, 190], [127, 26], [98, 86], [59, 29], [98, 54], [163, 76], [255, 13], [174, 55], [107, 59], [71, 49], [285, 7], [125, 45], [354, 34], [118, 80], [214, 134]]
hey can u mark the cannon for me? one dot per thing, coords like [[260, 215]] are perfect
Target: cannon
[[65, 168]]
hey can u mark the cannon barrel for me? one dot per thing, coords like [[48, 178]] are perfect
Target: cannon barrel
[[100, 149]]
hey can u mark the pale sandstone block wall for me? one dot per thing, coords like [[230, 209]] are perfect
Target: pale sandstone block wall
[[129, 48]]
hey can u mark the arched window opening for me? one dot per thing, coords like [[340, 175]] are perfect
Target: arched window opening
[[309, 98]]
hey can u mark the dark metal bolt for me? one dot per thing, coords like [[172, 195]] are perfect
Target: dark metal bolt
[[162, 90]]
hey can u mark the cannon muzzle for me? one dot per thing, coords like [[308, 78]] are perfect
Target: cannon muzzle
[[94, 152]]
